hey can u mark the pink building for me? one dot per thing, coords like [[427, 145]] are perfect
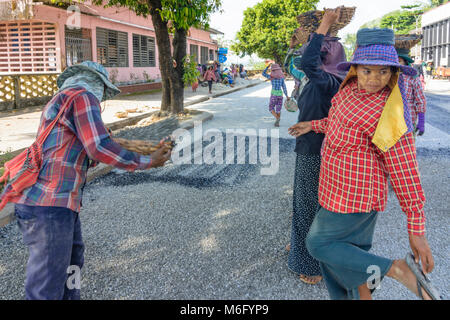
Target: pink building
[[42, 39]]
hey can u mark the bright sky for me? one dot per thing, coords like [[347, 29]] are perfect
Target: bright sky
[[229, 22]]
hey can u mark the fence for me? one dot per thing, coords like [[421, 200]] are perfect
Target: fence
[[26, 90]]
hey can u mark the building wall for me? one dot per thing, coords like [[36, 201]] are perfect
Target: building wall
[[119, 19], [436, 35]]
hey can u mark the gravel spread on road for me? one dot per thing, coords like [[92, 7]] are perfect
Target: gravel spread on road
[[156, 239]]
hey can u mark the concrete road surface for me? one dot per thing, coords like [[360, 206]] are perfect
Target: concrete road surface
[[218, 231]]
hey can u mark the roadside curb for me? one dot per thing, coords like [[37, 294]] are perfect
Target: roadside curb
[[7, 214], [113, 126]]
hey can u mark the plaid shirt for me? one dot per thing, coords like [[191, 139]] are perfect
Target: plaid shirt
[[416, 98], [79, 135], [277, 85], [354, 172]]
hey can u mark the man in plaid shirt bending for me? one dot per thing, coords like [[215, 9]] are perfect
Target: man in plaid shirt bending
[[48, 212]]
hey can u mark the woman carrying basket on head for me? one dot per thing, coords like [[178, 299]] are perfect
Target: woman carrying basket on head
[[276, 76], [417, 101], [317, 65]]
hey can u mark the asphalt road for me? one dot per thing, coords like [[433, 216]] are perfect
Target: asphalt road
[[218, 231]]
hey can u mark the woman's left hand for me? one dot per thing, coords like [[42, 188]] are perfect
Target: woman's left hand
[[300, 128]]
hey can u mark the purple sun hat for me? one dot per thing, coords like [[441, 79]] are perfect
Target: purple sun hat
[[376, 47]]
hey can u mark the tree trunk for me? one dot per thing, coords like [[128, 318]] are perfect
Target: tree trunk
[[164, 53], [278, 60], [176, 78]]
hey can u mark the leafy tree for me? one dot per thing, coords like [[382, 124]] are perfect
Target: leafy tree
[[268, 26], [349, 44], [406, 20], [256, 64], [403, 21], [171, 17], [191, 72], [436, 3]]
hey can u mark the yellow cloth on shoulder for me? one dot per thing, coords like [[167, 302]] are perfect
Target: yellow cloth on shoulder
[[391, 126]]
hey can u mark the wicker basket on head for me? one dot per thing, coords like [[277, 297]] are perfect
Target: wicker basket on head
[[407, 41], [310, 21]]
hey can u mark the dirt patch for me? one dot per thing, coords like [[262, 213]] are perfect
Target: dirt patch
[[156, 117]]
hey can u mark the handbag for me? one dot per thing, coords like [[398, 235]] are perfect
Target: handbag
[[22, 171], [291, 105]]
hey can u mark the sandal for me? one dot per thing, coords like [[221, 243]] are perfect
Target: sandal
[[303, 278], [422, 280]]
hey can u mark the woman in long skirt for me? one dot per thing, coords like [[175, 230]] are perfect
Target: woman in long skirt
[[318, 62]]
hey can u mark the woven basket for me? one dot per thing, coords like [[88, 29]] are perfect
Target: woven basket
[[143, 147], [302, 37], [310, 21], [407, 41]]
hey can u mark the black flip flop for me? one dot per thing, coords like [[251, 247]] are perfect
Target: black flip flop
[[422, 280]]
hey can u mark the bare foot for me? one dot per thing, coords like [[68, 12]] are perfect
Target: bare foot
[[310, 279], [403, 274], [288, 247]]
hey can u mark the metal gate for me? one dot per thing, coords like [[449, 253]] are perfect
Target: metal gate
[[77, 50]]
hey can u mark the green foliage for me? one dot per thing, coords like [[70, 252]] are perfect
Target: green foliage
[[372, 24], [402, 21], [349, 44], [436, 3], [182, 13], [189, 13], [268, 26], [191, 72], [257, 65]]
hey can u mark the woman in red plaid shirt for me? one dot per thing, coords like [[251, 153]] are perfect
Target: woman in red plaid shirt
[[369, 137]]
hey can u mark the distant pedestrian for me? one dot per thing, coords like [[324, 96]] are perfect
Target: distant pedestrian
[[48, 212], [217, 71], [276, 76], [243, 73], [234, 72], [429, 70], [194, 86], [210, 77]]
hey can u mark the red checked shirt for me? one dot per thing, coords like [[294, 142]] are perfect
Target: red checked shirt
[[354, 172], [79, 135], [416, 98]]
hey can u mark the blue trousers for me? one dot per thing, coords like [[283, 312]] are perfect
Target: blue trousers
[[341, 244], [56, 252]]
